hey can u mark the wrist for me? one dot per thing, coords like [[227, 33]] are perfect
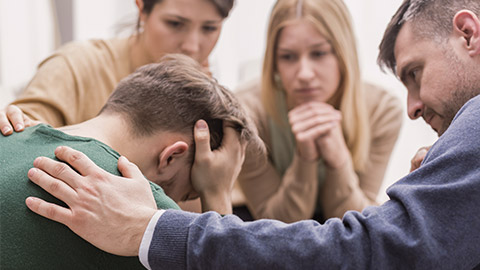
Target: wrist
[[220, 202], [303, 161], [139, 229]]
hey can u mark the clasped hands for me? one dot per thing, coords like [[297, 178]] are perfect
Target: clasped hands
[[318, 133]]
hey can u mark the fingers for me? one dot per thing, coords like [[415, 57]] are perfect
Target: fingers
[[5, 126], [310, 109], [12, 118], [128, 169], [51, 185], [231, 139], [58, 170], [311, 114], [312, 122], [77, 160], [29, 122], [15, 115], [418, 158], [49, 210], [202, 139], [315, 132]]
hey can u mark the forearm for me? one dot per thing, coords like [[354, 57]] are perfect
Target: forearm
[[296, 195], [52, 95], [381, 238], [220, 203], [341, 191]]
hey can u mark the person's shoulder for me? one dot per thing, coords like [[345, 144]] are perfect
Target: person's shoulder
[[249, 94], [384, 109], [376, 94], [380, 100], [94, 49], [161, 199], [470, 109], [249, 89]]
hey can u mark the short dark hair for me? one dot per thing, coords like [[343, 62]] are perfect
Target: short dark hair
[[430, 19], [172, 96], [223, 7]]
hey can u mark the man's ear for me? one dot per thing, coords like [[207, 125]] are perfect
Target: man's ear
[[467, 25], [171, 155]]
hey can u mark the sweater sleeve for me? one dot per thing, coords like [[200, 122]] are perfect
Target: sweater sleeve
[[344, 188], [73, 84], [288, 198], [431, 222], [51, 96]]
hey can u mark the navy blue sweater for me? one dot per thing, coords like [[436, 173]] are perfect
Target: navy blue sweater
[[432, 221]]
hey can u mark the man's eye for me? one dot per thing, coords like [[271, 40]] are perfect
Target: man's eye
[[414, 74]]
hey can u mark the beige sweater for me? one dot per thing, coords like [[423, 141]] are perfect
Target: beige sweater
[[293, 196], [73, 84]]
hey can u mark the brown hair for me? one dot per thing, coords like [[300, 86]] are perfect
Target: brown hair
[[332, 19], [172, 96], [223, 7], [430, 19]]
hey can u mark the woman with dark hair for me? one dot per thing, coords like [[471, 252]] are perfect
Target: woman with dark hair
[[73, 84]]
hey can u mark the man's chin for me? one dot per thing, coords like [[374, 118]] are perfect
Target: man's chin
[[441, 130]]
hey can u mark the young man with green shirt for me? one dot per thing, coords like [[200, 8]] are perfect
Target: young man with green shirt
[[149, 119]]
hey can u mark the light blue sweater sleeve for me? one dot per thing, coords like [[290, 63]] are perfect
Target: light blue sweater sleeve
[[432, 221]]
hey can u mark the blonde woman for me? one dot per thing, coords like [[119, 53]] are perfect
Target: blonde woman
[[329, 135]]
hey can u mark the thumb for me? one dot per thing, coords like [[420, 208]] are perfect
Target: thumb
[[129, 169], [202, 138]]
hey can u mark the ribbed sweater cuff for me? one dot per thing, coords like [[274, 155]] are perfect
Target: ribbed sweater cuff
[[168, 249]]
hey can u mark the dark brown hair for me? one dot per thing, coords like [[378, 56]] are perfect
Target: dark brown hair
[[430, 19], [172, 96], [223, 7]]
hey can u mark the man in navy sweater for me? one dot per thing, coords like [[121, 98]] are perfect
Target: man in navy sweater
[[430, 222]]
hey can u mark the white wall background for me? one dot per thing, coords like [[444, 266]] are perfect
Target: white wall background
[[27, 36]]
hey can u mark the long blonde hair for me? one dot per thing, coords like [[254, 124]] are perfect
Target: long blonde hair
[[332, 20]]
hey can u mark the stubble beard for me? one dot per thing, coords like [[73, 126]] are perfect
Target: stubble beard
[[465, 86]]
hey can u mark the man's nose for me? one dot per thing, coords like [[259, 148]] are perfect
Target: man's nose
[[415, 107]]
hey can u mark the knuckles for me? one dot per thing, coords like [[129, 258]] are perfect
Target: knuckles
[[60, 169], [74, 157]]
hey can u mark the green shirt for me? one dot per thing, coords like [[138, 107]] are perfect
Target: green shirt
[[29, 241]]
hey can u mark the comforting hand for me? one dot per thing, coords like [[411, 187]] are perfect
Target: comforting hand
[[314, 124], [418, 158], [108, 211], [215, 172], [12, 118]]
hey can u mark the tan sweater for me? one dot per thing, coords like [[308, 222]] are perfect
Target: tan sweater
[[73, 84], [293, 196]]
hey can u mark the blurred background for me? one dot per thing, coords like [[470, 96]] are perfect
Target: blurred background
[[30, 30]]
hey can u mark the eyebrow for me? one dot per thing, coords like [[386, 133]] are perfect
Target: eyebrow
[[183, 19], [313, 46]]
